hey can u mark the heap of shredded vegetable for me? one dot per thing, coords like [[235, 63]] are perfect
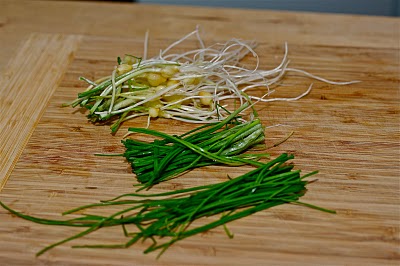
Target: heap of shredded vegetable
[[222, 143], [196, 86], [169, 217]]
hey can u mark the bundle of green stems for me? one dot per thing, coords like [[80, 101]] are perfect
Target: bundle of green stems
[[222, 143], [168, 217]]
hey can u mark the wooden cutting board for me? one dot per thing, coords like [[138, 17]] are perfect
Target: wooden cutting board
[[349, 133]]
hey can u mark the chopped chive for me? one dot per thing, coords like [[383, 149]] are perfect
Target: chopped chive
[[167, 217]]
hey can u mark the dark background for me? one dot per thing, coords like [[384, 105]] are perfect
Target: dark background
[[364, 7]]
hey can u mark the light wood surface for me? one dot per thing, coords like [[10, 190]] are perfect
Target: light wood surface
[[30, 80], [350, 133]]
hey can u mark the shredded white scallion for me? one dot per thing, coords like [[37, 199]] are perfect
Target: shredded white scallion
[[191, 86]]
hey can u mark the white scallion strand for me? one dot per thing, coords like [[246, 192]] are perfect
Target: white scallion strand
[[190, 86]]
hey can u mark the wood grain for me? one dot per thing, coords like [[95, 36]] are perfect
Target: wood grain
[[20, 18], [27, 85], [350, 133]]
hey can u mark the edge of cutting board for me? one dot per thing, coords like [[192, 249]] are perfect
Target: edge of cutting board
[[29, 81]]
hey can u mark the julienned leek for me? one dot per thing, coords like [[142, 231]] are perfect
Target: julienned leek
[[187, 86]]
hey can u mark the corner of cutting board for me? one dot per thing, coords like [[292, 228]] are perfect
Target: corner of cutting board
[[27, 87]]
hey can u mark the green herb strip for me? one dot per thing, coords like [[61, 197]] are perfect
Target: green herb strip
[[220, 143], [168, 216]]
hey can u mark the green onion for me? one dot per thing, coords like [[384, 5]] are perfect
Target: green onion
[[220, 143], [166, 218]]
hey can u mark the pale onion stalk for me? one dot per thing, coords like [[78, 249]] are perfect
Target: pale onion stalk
[[215, 69], [158, 94]]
